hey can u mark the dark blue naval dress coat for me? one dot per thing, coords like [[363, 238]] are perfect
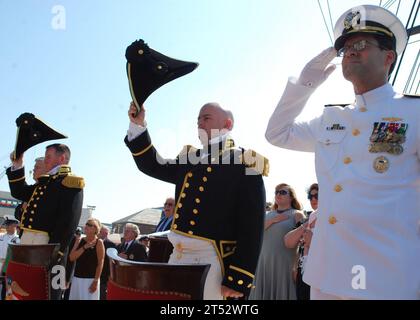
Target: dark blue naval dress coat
[[54, 204], [219, 202]]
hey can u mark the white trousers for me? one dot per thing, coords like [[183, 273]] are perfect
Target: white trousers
[[79, 289], [196, 251], [31, 237]]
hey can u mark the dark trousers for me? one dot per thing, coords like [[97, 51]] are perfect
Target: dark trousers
[[103, 289], [303, 290], [3, 285]]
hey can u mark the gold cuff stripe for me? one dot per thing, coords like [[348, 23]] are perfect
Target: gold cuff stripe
[[16, 180], [143, 151], [242, 271], [369, 29]]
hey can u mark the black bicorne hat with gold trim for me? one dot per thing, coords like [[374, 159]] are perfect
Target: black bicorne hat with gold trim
[[147, 70], [370, 19], [32, 131]]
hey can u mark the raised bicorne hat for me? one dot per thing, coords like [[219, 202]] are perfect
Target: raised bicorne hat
[[32, 131], [370, 19], [147, 70]]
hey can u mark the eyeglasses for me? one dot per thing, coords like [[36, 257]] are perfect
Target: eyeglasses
[[89, 225], [357, 46], [282, 192], [310, 196], [168, 204]]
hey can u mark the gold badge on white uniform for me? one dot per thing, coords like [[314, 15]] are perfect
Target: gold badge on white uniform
[[381, 164]]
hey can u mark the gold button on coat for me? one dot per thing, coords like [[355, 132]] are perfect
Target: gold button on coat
[[175, 226], [192, 223], [190, 232], [183, 195], [209, 169], [190, 174], [332, 220], [179, 205], [195, 211], [347, 160], [197, 200], [205, 179], [201, 189]]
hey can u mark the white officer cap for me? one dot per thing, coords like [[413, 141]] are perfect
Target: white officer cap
[[372, 20], [9, 219]]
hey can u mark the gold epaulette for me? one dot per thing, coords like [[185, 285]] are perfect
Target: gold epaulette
[[187, 149], [73, 182], [254, 160]]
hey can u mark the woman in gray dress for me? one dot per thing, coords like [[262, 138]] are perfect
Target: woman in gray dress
[[273, 278]]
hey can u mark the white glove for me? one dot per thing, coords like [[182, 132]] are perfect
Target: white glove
[[316, 71]]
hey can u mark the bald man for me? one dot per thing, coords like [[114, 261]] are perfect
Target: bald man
[[220, 200]]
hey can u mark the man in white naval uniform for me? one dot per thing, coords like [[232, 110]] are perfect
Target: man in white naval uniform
[[367, 157], [10, 236]]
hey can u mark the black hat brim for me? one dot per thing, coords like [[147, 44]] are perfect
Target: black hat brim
[[32, 131], [148, 70]]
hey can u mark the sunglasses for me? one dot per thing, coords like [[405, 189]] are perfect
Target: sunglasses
[[168, 204], [282, 192], [89, 225], [310, 196]]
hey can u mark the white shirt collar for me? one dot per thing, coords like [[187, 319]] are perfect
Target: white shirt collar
[[383, 92], [54, 170], [11, 235]]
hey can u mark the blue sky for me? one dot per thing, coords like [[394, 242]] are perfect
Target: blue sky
[[74, 79]]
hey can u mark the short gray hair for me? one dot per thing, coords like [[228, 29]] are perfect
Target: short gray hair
[[134, 227]]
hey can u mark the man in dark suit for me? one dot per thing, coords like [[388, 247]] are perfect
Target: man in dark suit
[[103, 234], [168, 214], [54, 203], [219, 213], [130, 248]]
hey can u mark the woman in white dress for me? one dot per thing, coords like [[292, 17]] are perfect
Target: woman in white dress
[[88, 253]]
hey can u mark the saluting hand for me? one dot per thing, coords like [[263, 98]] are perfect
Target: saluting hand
[[139, 118], [318, 69]]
